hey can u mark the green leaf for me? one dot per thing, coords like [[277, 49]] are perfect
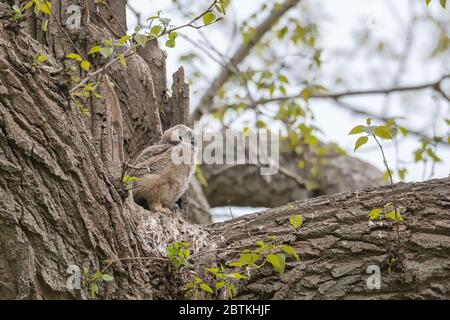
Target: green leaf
[[127, 179], [206, 287], [278, 262], [44, 25], [382, 132], [16, 9], [260, 124], [165, 21], [360, 142], [94, 49], [213, 270], [141, 39], [238, 276], [124, 39], [375, 213], [402, 173], [357, 130], [46, 7], [296, 220], [209, 18], [443, 3], [283, 78], [418, 155], [85, 65], [170, 43], [74, 56], [394, 216], [404, 131], [290, 251], [106, 51], [433, 156], [220, 285], [41, 58], [189, 285], [28, 5], [245, 259], [155, 30], [122, 60], [369, 121], [37, 9], [107, 278], [173, 35], [153, 17], [231, 290], [427, 2], [94, 290]]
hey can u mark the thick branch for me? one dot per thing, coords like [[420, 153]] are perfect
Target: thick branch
[[337, 244], [337, 174]]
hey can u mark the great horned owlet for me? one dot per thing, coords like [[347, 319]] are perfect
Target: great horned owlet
[[165, 169]]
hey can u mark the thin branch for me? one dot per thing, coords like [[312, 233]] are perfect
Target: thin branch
[[205, 104], [372, 115], [394, 199], [435, 85], [115, 18], [135, 12], [66, 35]]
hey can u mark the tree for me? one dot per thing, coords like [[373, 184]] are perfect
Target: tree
[[66, 132]]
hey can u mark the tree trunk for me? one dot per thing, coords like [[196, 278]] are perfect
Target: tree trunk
[[62, 203]]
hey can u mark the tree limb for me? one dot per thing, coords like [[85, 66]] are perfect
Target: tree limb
[[435, 85]]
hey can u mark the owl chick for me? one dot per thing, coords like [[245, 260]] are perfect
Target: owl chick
[[165, 169]]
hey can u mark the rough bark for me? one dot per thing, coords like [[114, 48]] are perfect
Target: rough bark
[[61, 205]]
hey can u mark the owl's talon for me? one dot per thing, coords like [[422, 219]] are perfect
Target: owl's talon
[[161, 209], [165, 210]]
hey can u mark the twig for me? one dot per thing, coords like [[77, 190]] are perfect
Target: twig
[[115, 18], [229, 208], [133, 47], [394, 199], [66, 35], [240, 54], [435, 85]]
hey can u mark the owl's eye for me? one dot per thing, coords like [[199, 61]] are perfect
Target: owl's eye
[[179, 138]]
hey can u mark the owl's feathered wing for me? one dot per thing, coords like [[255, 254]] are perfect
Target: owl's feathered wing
[[152, 160]]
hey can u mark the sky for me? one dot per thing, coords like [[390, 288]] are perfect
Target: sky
[[341, 20]]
